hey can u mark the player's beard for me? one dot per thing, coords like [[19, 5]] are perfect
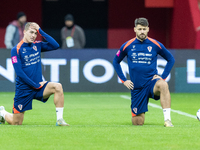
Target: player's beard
[[142, 37]]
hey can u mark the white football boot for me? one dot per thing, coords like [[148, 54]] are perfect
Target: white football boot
[[61, 122], [2, 120], [168, 123]]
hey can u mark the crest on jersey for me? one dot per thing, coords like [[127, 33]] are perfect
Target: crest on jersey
[[35, 48], [135, 110], [20, 106], [149, 48]]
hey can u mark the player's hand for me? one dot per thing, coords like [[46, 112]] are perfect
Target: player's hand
[[42, 83], [129, 84], [34, 26], [156, 76]]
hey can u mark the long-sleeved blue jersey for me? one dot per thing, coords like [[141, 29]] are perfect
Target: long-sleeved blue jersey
[[142, 60], [26, 59]]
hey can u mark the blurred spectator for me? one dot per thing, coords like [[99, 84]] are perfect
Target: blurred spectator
[[72, 35], [14, 31]]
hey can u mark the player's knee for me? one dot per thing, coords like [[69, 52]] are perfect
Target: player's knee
[[58, 87], [17, 123], [138, 123], [137, 120], [17, 119], [162, 85]]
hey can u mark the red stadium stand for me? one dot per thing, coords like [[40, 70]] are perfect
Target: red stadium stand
[[2, 34], [159, 3], [175, 23], [185, 25]]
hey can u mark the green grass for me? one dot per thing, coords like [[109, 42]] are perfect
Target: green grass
[[102, 121]]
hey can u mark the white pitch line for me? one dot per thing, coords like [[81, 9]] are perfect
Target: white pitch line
[[159, 107]]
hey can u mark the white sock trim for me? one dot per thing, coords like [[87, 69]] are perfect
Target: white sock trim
[[59, 112], [166, 113]]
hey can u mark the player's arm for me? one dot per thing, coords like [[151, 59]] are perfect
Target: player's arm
[[16, 61], [116, 63], [170, 61], [51, 44], [129, 84]]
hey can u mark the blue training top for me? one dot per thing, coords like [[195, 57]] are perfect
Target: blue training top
[[142, 60], [26, 59]]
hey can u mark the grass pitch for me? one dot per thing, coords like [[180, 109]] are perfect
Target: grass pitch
[[103, 121]]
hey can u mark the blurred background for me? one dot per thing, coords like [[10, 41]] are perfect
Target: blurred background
[[107, 25]]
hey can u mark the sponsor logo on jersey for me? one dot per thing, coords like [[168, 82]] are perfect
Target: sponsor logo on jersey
[[134, 54], [148, 54], [118, 53], [141, 54], [14, 59], [26, 57], [142, 62]]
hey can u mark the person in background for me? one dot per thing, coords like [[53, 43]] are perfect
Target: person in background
[[14, 31], [72, 35]]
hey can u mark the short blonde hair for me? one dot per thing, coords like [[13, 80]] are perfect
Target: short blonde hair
[[27, 25]]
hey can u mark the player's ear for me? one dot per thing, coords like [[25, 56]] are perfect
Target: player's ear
[[134, 29], [147, 29]]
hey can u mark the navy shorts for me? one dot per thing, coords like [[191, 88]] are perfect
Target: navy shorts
[[23, 98], [140, 98]]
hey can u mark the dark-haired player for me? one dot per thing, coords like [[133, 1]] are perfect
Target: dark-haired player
[[145, 83]]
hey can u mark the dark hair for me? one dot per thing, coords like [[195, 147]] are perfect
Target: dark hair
[[142, 22]]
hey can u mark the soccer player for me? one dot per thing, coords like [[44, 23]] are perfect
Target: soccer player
[[145, 83], [26, 60]]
